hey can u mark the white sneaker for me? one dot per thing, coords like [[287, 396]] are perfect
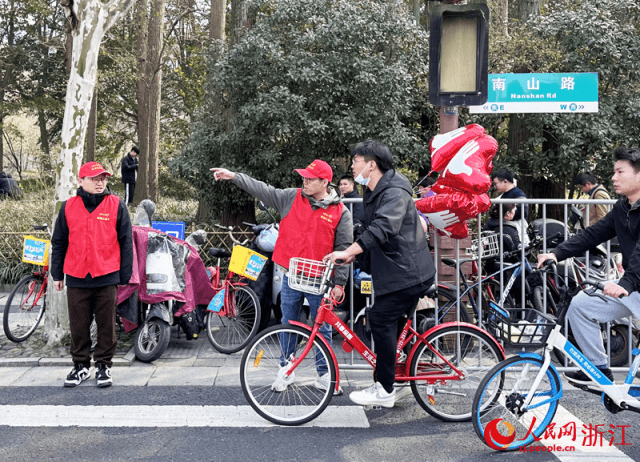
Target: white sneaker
[[402, 391], [375, 395], [282, 381], [323, 382]]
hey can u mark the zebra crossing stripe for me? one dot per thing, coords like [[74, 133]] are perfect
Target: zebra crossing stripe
[[164, 416]]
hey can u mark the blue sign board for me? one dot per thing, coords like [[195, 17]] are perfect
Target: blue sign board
[[543, 93], [174, 228]]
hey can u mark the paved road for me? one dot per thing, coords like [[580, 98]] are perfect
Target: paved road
[[189, 406]]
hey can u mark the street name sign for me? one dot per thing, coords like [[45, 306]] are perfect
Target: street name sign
[[543, 93]]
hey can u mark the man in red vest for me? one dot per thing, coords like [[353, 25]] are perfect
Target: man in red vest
[[92, 246], [314, 222]]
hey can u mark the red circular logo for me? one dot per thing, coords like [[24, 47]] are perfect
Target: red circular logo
[[497, 440]]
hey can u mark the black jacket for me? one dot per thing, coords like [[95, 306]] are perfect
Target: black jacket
[[358, 210], [623, 222], [517, 193], [395, 246], [9, 186], [60, 243], [128, 169], [508, 229]]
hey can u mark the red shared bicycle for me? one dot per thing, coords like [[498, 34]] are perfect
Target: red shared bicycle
[[278, 372]]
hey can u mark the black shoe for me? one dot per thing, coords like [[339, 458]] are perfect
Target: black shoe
[[582, 378], [103, 376], [78, 374]]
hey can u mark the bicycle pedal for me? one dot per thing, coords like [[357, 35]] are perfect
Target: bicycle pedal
[[372, 407]]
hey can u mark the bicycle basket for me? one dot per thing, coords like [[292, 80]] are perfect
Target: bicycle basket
[[490, 245], [309, 276], [520, 327]]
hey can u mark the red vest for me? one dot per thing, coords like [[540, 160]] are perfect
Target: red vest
[[306, 233], [93, 238]]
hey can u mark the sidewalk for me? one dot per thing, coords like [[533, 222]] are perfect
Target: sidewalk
[[191, 363]]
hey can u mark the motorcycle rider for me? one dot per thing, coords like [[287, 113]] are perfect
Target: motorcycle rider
[[314, 223], [585, 312], [395, 253]]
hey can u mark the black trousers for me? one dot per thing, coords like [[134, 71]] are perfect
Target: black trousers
[[384, 315], [84, 305], [129, 189]]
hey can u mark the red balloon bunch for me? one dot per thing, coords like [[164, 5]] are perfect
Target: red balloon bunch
[[465, 158]]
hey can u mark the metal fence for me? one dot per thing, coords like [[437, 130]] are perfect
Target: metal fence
[[454, 278]]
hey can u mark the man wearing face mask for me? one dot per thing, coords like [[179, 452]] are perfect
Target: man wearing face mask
[[393, 249], [314, 222]]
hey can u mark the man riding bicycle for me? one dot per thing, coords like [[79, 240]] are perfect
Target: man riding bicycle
[[395, 251], [585, 313], [314, 223]]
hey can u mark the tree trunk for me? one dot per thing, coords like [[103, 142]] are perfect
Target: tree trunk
[[216, 32], [93, 125], [522, 9], [90, 21], [154, 77], [142, 23], [239, 19], [218, 18]]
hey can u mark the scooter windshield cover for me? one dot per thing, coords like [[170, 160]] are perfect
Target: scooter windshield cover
[[165, 265]]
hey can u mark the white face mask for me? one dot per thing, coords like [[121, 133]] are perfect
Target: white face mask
[[362, 180]]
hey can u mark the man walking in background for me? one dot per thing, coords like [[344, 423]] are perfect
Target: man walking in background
[[589, 185], [129, 171]]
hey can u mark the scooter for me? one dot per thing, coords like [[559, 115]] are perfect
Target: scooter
[[168, 275]]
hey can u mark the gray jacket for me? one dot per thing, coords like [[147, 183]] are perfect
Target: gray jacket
[[282, 200]]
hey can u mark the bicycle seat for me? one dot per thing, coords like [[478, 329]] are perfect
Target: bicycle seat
[[218, 252], [431, 291], [452, 263]]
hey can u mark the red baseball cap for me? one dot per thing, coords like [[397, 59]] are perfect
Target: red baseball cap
[[91, 169], [317, 169]]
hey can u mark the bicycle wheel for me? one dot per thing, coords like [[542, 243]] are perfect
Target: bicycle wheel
[[265, 361], [229, 334], [498, 415], [469, 350], [537, 298], [24, 310]]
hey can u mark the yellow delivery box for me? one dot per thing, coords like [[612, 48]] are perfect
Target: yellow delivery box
[[246, 262], [35, 251]]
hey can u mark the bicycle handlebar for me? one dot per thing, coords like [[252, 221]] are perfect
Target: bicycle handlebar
[[43, 227], [229, 229]]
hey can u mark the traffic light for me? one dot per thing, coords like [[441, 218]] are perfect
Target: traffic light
[[458, 55]]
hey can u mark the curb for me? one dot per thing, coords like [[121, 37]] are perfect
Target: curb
[[128, 359]]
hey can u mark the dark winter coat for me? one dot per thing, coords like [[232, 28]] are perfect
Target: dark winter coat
[[9, 186], [623, 222], [129, 169], [517, 193], [60, 243], [395, 246], [358, 211], [508, 229]]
